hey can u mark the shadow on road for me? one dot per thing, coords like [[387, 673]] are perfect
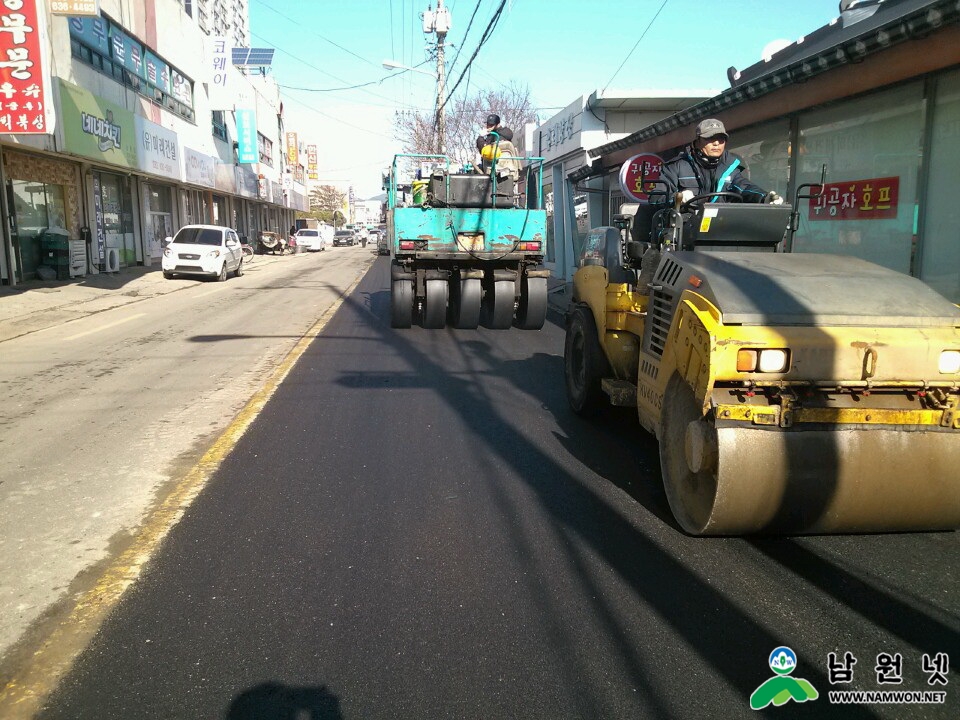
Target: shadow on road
[[276, 701]]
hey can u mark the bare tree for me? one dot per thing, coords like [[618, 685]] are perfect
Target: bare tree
[[465, 122]]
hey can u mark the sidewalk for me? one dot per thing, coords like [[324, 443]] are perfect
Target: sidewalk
[[37, 304]]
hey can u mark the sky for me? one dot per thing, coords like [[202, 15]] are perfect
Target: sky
[[558, 49]]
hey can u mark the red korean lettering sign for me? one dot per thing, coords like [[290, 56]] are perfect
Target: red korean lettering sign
[[638, 176], [23, 82], [872, 199]]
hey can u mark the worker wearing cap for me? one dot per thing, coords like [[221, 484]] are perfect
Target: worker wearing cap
[[496, 142], [706, 166]]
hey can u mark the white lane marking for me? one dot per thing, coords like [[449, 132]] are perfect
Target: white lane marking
[[105, 327]]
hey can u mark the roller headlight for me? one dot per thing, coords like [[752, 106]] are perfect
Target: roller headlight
[[950, 362], [767, 360]]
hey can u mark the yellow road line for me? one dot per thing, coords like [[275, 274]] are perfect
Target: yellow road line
[[53, 655], [104, 327]]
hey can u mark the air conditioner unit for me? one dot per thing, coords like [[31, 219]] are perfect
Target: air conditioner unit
[[112, 259]]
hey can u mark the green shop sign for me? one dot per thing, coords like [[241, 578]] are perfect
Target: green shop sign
[[97, 129]]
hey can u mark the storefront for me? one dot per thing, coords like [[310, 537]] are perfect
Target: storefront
[[159, 220], [113, 229], [159, 154], [884, 125], [105, 134], [42, 192]]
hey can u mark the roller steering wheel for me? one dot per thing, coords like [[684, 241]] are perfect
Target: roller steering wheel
[[697, 201]]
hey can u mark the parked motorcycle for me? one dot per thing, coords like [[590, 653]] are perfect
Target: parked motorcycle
[[272, 242]]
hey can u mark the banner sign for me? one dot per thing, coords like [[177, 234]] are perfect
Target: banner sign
[[127, 52], [158, 150], [95, 128], [247, 136], [873, 199], [199, 169], [293, 153], [25, 103], [180, 88], [98, 218], [220, 62], [75, 7], [91, 31], [637, 175], [157, 71], [312, 162]]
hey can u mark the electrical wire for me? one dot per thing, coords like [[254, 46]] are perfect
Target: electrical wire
[[298, 23], [491, 26], [465, 35], [649, 25]]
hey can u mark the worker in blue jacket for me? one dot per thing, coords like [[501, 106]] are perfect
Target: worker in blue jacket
[[705, 166]]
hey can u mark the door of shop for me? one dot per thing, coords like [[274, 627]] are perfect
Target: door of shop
[[36, 207]]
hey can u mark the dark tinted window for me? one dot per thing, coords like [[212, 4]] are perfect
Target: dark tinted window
[[198, 236]]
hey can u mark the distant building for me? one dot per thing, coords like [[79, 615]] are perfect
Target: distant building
[[151, 127]]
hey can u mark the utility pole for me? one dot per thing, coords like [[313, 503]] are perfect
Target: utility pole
[[438, 21]]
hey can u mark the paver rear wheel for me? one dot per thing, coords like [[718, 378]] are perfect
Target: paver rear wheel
[[465, 303], [435, 307], [498, 304], [401, 303], [532, 311]]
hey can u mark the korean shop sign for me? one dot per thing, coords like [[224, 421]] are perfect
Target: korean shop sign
[[25, 103], [873, 199], [91, 31], [199, 169], [247, 136], [637, 175], [75, 7], [293, 155], [312, 162], [97, 129], [127, 52], [158, 151]]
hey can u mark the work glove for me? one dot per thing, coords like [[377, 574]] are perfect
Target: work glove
[[684, 196], [773, 198]]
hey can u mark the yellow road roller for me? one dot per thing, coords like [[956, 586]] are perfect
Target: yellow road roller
[[789, 392]]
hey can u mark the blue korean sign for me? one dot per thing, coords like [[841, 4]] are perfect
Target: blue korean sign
[[127, 51], [247, 136], [91, 31], [158, 72]]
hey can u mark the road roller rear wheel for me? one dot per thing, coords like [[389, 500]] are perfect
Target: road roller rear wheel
[[688, 458], [435, 306], [532, 311], [401, 303], [584, 364], [498, 304], [465, 303]]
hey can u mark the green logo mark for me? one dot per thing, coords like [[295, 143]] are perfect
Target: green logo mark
[[782, 688]]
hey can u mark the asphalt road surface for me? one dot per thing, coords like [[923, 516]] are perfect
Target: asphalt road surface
[[416, 526]]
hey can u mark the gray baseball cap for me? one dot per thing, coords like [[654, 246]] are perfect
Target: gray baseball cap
[[710, 128]]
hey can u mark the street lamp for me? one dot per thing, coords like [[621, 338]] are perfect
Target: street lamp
[[394, 65]]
